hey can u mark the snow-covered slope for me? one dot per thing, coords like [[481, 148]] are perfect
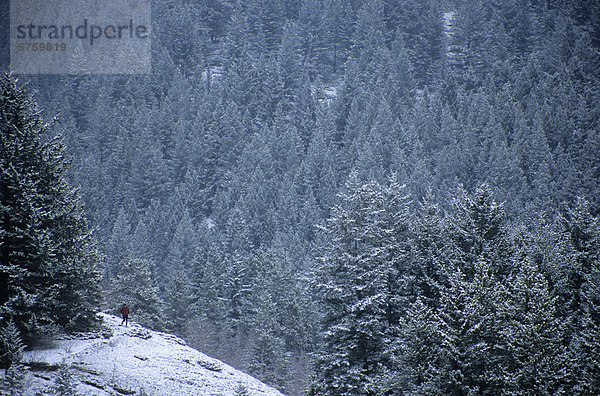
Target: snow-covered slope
[[135, 360]]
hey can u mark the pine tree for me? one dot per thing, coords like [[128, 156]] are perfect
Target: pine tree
[[534, 360], [459, 328], [117, 246], [11, 358], [241, 390], [362, 267], [478, 41], [417, 352], [464, 355], [207, 284], [579, 255], [369, 32], [149, 173], [430, 254], [587, 354], [422, 28], [338, 28], [63, 383], [400, 81], [267, 355], [182, 248], [282, 327], [140, 241], [238, 279], [48, 275], [136, 288], [478, 231], [577, 266], [15, 379], [11, 345], [290, 61], [179, 302]]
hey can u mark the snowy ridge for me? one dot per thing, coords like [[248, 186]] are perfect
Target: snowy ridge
[[135, 360]]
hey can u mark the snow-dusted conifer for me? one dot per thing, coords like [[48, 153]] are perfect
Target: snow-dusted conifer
[[478, 231], [11, 358], [463, 353], [179, 304], [136, 288], [267, 355], [535, 360], [47, 272], [578, 268], [359, 281], [63, 383], [417, 352], [430, 252]]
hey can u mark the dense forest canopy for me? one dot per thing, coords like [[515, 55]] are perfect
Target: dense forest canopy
[[355, 196]]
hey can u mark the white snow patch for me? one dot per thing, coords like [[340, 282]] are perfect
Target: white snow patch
[[324, 94], [215, 73], [209, 223], [330, 92], [448, 19], [134, 359]]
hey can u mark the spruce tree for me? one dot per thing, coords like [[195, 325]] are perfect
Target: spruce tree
[[417, 352], [135, 287], [47, 274], [534, 360], [430, 252], [478, 231], [11, 358], [63, 383], [579, 253], [464, 353], [459, 334], [179, 301], [267, 355], [359, 282], [578, 267]]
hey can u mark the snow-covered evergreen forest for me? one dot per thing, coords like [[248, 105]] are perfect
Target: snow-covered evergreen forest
[[347, 197]]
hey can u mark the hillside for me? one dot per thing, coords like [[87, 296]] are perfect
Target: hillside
[[136, 360]]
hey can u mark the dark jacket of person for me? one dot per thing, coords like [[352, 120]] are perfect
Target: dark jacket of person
[[125, 310]]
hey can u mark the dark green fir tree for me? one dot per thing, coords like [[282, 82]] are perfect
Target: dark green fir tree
[[11, 359], [135, 287], [48, 273], [64, 385]]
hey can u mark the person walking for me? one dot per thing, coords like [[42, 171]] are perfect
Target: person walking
[[125, 313]]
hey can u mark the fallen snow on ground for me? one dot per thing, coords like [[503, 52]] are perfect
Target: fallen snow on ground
[[135, 360]]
